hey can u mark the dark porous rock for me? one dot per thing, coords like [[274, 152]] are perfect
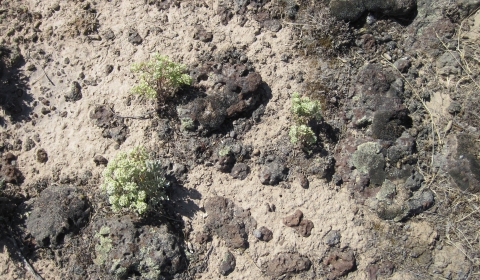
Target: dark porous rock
[[467, 7], [228, 264], [42, 155], [304, 228], [351, 10], [75, 92], [236, 90], [404, 146], [100, 160], [414, 182], [202, 237], [379, 102], [113, 127], [201, 34], [124, 250], [338, 263], [323, 167], [420, 202], [272, 173], [380, 270], [454, 107], [29, 144], [367, 42], [103, 116], [448, 64], [224, 162], [134, 37], [294, 219], [50, 223], [8, 172], [263, 234], [332, 238], [240, 171], [108, 69], [119, 133], [389, 125], [45, 110], [229, 222], [286, 263]]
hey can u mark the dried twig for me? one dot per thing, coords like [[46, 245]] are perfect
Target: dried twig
[[27, 265]]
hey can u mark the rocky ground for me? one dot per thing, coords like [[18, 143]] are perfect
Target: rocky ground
[[389, 191]]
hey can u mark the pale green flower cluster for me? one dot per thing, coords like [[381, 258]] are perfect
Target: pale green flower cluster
[[302, 133], [303, 110], [159, 75], [133, 181]]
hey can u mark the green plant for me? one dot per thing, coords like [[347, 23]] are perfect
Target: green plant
[[160, 76], [303, 110], [133, 181], [303, 134]]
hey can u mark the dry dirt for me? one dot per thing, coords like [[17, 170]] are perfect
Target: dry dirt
[[72, 140]]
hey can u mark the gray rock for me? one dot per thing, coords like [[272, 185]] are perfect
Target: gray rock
[[228, 264], [403, 64], [75, 92], [134, 37], [263, 234], [273, 25], [332, 238], [272, 173], [123, 249], [108, 34], [59, 211], [369, 159], [387, 191]]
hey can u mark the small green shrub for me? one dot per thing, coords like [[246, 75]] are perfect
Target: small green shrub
[[133, 181], [303, 134], [159, 77], [303, 110]]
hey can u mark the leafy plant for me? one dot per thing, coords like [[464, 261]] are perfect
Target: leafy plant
[[160, 76], [133, 181], [303, 110], [303, 134]]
